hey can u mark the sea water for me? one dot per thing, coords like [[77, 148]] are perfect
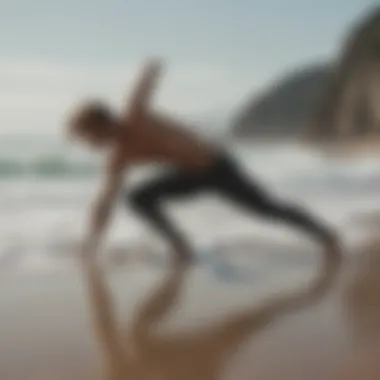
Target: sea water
[[47, 186]]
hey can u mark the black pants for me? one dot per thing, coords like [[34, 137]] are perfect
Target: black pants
[[223, 178]]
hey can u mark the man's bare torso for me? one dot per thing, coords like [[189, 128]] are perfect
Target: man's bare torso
[[156, 138]]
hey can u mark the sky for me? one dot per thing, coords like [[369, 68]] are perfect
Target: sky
[[54, 53]]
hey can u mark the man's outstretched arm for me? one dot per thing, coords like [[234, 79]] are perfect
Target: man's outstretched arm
[[144, 88], [102, 208]]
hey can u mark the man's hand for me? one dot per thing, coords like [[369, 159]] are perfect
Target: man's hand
[[153, 67]]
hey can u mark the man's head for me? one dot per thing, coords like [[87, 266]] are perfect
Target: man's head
[[94, 123]]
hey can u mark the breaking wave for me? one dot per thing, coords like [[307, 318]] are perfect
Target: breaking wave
[[46, 166]]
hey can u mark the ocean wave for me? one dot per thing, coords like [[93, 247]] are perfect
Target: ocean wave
[[47, 166]]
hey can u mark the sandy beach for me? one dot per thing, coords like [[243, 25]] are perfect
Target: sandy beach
[[146, 322]]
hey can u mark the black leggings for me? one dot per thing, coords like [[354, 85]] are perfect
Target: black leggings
[[223, 178]]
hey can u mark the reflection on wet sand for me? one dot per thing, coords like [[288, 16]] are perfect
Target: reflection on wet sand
[[361, 303], [145, 354]]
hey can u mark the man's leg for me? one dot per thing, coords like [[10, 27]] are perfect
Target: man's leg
[[233, 185], [147, 201]]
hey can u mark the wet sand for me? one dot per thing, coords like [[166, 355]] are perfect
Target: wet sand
[[150, 323]]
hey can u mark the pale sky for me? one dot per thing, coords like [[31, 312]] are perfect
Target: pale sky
[[55, 52]]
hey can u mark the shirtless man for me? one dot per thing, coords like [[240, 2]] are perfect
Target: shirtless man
[[139, 135]]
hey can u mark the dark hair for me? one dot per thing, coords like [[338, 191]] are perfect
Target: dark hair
[[91, 117]]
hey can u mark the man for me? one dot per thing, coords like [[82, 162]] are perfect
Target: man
[[140, 135]]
